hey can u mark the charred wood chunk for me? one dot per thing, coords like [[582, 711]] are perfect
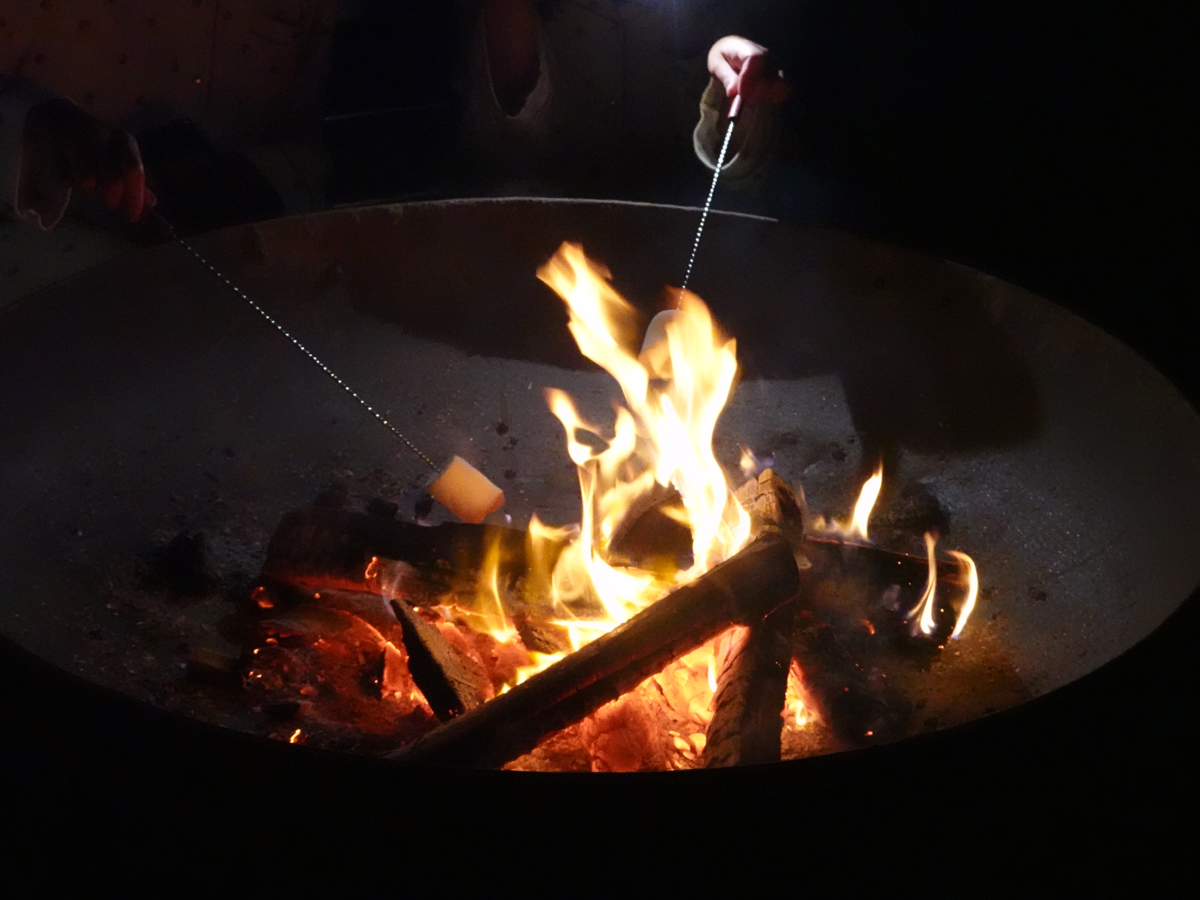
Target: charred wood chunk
[[451, 681], [772, 505], [332, 547], [747, 722], [742, 590], [542, 637], [651, 534], [831, 557], [913, 512], [368, 606], [860, 709]]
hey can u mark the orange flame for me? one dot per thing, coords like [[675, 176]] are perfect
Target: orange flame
[[866, 503], [798, 715], [967, 570], [674, 391], [856, 525], [925, 605]]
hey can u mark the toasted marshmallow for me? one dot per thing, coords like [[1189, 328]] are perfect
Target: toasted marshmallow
[[466, 491]]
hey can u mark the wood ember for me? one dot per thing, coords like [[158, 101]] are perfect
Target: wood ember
[[451, 681], [747, 721], [331, 547], [327, 665], [396, 677], [741, 590], [499, 661], [624, 736], [542, 637], [772, 505], [848, 640], [370, 607]]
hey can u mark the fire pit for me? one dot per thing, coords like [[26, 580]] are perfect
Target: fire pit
[[155, 407]]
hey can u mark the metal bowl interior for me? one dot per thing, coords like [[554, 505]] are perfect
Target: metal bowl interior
[[143, 396]]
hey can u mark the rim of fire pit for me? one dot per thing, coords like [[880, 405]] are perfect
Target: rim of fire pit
[[133, 379]]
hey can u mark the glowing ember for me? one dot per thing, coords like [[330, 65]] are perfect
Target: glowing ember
[[262, 598], [798, 714]]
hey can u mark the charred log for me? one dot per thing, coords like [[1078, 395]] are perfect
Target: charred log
[[859, 706], [747, 721], [649, 536], [327, 547], [451, 681], [741, 590], [542, 637], [772, 505], [881, 567]]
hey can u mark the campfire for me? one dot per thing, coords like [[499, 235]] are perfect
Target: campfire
[[681, 622]]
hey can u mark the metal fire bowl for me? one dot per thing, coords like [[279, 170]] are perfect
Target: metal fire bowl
[[144, 397]]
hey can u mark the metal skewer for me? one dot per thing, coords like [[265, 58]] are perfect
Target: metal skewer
[[301, 347], [734, 108]]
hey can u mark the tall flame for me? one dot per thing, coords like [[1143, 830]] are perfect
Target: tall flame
[[967, 571], [866, 503], [925, 605], [856, 525], [674, 391]]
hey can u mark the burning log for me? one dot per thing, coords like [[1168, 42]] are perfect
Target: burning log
[[451, 681], [880, 566], [648, 534], [742, 590], [772, 505], [860, 707], [747, 720], [326, 547]]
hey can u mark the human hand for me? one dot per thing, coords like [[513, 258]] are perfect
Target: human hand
[[745, 69], [64, 142]]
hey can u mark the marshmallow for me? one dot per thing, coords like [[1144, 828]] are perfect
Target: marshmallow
[[466, 491]]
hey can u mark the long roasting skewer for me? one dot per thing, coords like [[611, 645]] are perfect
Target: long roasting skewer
[[734, 108], [287, 334], [658, 325], [460, 487]]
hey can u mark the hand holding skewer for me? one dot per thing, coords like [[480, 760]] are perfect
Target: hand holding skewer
[[73, 150], [746, 71]]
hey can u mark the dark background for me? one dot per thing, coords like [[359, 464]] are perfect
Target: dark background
[[1051, 144]]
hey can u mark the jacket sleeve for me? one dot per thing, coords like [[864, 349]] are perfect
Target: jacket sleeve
[[752, 142], [39, 199]]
